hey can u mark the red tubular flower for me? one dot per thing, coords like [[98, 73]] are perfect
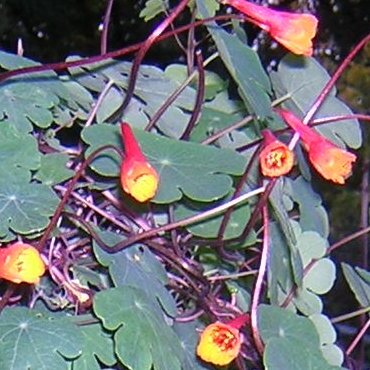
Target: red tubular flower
[[331, 162], [220, 343], [294, 31], [276, 159], [138, 177], [21, 263]]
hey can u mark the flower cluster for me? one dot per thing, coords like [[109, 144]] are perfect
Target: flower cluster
[[138, 177], [294, 31], [331, 162], [21, 263]]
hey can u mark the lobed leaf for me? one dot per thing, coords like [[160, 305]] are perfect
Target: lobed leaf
[[142, 337], [138, 267], [97, 346], [184, 168], [31, 340], [292, 342]]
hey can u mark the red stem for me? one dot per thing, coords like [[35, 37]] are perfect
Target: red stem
[[330, 84]]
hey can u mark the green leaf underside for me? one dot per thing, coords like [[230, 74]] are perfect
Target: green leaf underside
[[184, 168], [152, 89], [292, 342], [302, 79], [320, 278], [142, 337], [136, 267], [29, 98], [152, 9], [359, 282], [97, 344], [32, 341]]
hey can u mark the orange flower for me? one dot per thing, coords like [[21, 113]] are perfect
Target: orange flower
[[21, 263], [220, 343], [276, 159], [294, 31], [331, 162], [138, 177]]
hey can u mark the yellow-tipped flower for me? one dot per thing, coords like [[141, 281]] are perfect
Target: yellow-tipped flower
[[294, 31], [331, 162], [21, 263], [220, 343], [138, 177], [276, 159]]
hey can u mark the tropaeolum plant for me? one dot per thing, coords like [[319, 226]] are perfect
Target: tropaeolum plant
[[181, 230]]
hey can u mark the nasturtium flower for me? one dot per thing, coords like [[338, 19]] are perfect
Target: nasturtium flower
[[220, 343], [331, 162], [21, 263], [138, 177], [294, 31], [276, 159]]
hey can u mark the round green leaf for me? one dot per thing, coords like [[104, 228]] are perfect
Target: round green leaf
[[321, 276]]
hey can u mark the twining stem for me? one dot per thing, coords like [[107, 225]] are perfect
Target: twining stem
[[329, 85], [199, 98], [68, 192], [60, 66], [146, 46], [259, 282], [176, 93], [104, 34], [358, 338], [186, 221], [351, 315]]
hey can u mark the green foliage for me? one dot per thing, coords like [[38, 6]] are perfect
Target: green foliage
[[359, 281], [32, 340], [301, 81], [291, 341], [185, 168], [137, 321], [130, 286], [97, 345]]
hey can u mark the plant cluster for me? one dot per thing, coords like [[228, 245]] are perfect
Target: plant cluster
[[177, 227]]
